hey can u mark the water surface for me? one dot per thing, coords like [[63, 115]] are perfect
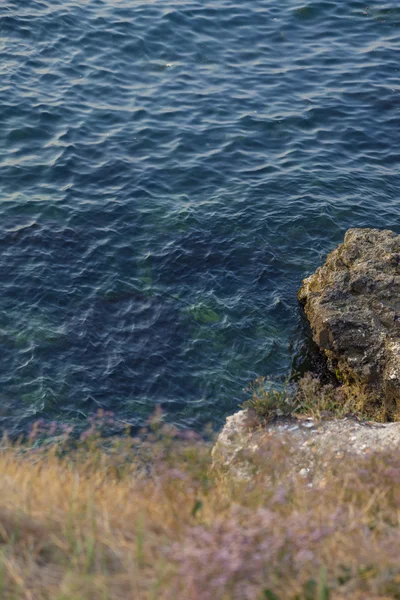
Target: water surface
[[169, 172]]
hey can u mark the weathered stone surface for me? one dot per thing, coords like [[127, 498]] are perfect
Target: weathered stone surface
[[353, 305], [311, 444]]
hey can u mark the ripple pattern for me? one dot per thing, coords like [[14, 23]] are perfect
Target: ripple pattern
[[169, 172]]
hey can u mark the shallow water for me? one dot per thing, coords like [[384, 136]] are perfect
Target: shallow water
[[169, 172]]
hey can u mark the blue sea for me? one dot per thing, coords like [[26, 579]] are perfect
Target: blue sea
[[170, 171]]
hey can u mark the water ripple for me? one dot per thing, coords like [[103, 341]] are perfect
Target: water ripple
[[169, 174]]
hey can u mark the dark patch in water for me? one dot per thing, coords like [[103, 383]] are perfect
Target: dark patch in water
[[167, 180]]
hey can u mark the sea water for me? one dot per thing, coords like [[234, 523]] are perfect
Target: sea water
[[170, 171]]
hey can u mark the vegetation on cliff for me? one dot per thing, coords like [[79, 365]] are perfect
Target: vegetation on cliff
[[150, 518], [309, 396]]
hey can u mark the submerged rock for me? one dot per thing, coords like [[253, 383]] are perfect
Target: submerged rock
[[353, 305]]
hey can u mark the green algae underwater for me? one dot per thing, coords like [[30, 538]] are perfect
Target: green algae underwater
[[169, 175]]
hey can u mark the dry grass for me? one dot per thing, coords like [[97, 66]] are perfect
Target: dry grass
[[107, 521], [310, 397]]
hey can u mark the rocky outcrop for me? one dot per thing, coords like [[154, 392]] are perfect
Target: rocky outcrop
[[298, 446], [353, 305]]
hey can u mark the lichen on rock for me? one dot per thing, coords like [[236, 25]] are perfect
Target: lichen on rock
[[353, 305]]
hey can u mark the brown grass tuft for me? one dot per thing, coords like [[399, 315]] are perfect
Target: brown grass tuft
[[310, 397]]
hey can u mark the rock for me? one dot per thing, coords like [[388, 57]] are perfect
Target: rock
[[353, 305], [242, 448]]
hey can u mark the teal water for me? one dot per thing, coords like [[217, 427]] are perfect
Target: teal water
[[169, 172]]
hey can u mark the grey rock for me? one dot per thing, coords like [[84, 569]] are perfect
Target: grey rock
[[240, 444], [353, 305]]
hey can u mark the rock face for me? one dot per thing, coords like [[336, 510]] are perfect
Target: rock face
[[310, 445], [353, 305]]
